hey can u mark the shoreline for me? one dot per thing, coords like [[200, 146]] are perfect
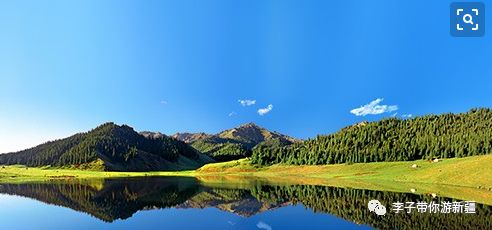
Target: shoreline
[[450, 177], [453, 171]]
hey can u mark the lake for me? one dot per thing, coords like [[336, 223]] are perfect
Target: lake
[[189, 203]]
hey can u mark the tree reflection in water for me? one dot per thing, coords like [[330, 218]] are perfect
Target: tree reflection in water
[[113, 199]]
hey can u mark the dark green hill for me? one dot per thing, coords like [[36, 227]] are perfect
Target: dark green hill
[[426, 137], [113, 148], [234, 143]]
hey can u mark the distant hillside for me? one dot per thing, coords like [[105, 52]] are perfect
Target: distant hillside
[[439, 136], [234, 143], [113, 148], [191, 137]]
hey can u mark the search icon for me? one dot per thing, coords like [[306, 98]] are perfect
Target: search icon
[[467, 18]]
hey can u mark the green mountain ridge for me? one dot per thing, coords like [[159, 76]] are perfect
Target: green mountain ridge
[[111, 147], [234, 143], [119, 148], [426, 137]]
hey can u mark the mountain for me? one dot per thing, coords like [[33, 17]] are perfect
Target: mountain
[[234, 143], [190, 137], [111, 147], [431, 136], [252, 135]]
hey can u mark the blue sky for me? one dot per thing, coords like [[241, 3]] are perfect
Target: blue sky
[[169, 66]]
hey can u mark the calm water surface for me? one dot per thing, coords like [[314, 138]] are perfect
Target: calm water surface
[[186, 203]]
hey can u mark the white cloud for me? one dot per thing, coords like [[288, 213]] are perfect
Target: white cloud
[[232, 114], [407, 115], [164, 102], [263, 225], [247, 102], [265, 110], [374, 108]]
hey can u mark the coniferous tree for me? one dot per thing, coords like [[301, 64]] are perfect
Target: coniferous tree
[[426, 137]]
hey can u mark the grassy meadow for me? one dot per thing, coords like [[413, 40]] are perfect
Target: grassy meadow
[[19, 173], [473, 171], [464, 178], [467, 178]]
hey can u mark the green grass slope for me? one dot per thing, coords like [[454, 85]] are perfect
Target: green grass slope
[[467, 178], [473, 171]]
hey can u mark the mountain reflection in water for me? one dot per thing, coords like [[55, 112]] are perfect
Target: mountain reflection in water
[[113, 199]]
